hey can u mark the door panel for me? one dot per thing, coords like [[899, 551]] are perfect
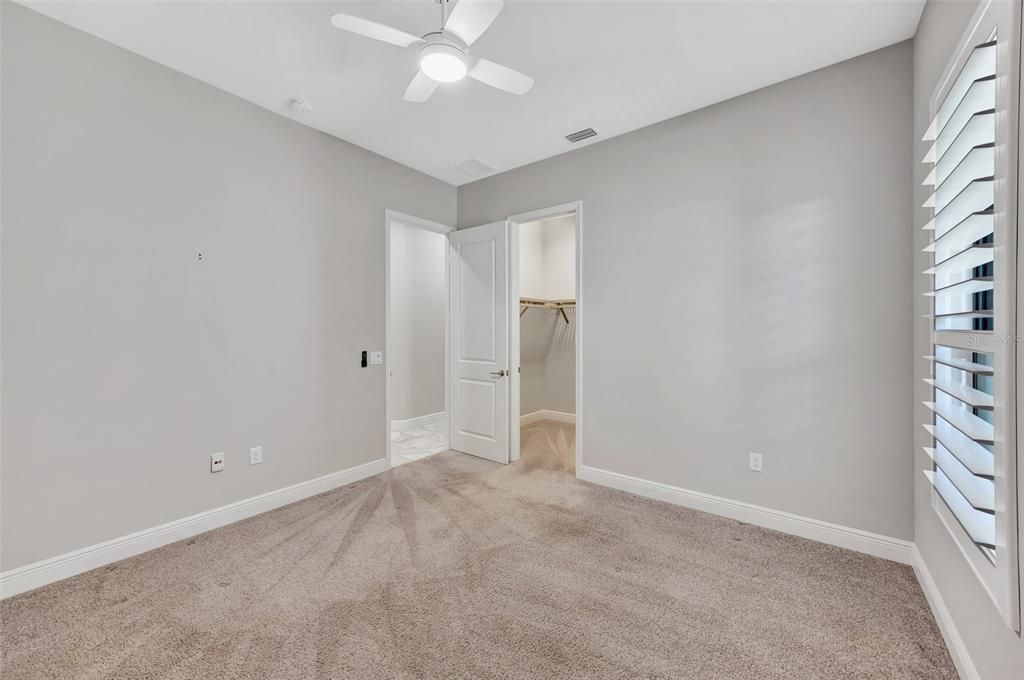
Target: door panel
[[479, 306], [476, 292], [478, 402]]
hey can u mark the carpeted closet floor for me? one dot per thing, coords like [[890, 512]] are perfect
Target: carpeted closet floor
[[454, 567], [548, 445]]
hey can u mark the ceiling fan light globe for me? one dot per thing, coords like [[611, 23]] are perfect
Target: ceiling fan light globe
[[443, 63]]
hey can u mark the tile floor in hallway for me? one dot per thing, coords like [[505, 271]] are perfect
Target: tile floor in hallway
[[418, 440]]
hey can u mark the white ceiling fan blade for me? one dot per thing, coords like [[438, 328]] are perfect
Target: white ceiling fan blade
[[420, 88], [371, 29], [471, 18], [501, 77]]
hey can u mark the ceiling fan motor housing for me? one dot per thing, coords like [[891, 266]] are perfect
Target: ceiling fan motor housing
[[443, 58], [444, 54]]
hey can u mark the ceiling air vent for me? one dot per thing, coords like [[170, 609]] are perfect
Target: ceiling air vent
[[581, 135], [474, 168]]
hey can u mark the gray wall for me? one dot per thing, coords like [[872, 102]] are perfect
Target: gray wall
[[746, 289], [996, 650], [419, 289], [126, 361]]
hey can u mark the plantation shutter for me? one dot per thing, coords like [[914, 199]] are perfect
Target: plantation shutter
[[963, 248]]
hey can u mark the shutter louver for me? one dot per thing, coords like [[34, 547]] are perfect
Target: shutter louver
[[963, 159]]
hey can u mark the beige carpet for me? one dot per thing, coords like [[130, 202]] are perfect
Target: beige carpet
[[548, 445], [454, 567]]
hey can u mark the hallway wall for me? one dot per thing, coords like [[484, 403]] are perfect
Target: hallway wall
[[418, 293]]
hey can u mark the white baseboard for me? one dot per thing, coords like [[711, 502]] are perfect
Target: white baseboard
[[53, 569], [965, 667], [878, 545], [419, 421], [559, 416]]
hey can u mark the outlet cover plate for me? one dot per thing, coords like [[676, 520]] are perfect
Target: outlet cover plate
[[216, 462], [757, 462], [256, 455]]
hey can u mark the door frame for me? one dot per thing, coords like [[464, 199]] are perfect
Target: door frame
[[391, 216], [574, 208]]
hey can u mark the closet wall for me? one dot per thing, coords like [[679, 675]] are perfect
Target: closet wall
[[547, 270]]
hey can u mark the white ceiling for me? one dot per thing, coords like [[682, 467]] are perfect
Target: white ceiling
[[613, 66]]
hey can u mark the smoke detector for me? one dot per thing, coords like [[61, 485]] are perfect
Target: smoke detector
[[300, 105]]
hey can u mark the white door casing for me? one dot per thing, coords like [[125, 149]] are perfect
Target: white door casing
[[479, 411]]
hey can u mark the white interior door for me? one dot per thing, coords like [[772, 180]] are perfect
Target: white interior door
[[479, 341]]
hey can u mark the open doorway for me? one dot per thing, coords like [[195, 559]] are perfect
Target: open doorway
[[545, 338], [417, 338]]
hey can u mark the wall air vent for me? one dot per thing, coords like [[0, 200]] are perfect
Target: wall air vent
[[581, 135], [474, 168]]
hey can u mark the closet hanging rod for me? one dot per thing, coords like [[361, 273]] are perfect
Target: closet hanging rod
[[560, 305]]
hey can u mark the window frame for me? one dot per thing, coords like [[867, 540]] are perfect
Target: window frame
[[1000, 577]]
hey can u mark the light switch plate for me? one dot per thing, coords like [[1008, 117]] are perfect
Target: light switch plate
[[376, 358]]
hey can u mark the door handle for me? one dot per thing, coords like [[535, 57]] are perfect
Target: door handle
[[499, 374]]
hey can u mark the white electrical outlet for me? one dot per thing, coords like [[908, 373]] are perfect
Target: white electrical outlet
[[376, 358], [216, 462], [756, 462], [256, 455]]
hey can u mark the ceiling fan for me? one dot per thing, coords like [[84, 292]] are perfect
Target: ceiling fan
[[444, 54]]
